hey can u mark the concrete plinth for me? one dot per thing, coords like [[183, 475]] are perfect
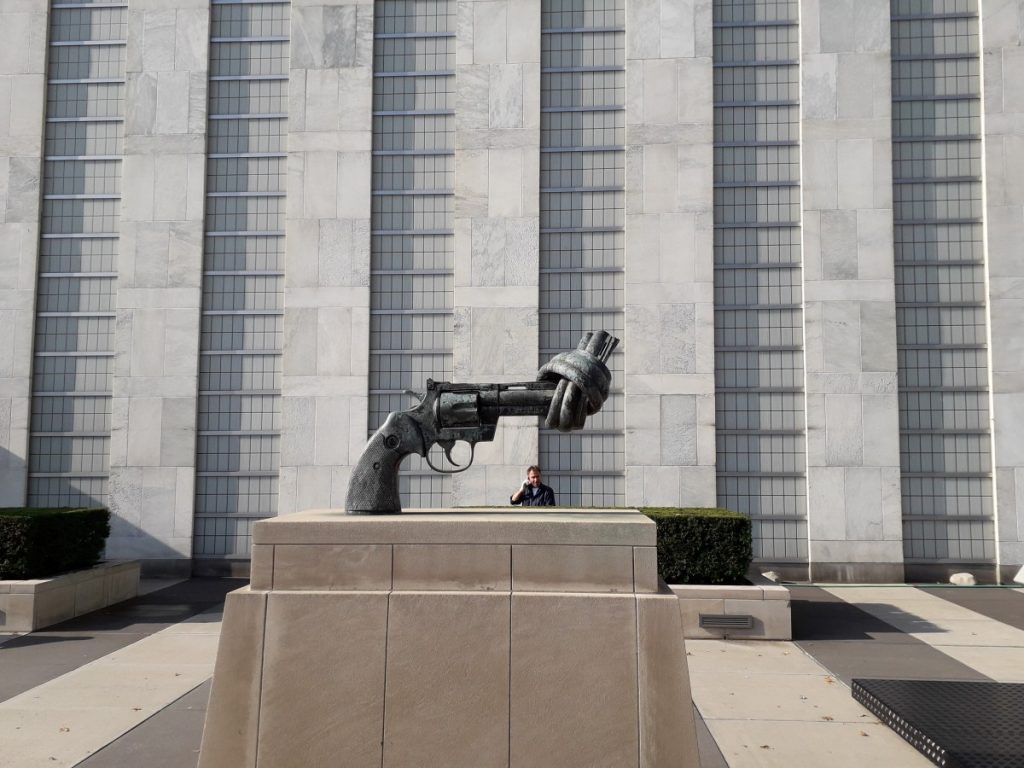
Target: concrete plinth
[[452, 638], [30, 604]]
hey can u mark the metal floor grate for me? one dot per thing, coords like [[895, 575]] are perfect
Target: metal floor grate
[[956, 724]]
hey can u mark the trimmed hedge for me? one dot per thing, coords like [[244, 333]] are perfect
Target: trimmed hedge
[[35, 543], [702, 546]]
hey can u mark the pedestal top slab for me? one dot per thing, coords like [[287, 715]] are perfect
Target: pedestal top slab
[[591, 527]]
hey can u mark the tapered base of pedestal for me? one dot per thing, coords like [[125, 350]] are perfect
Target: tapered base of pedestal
[[452, 639]]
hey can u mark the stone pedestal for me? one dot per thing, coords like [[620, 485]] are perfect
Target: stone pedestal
[[456, 638]]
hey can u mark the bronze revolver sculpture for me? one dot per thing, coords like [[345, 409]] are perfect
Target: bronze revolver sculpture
[[569, 387]]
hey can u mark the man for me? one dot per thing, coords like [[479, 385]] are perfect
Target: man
[[534, 493]]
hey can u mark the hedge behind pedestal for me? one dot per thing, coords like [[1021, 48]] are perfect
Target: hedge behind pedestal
[[35, 543], [702, 545]]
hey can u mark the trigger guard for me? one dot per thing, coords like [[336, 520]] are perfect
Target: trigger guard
[[472, 451]]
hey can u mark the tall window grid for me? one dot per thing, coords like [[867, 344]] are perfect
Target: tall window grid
[[759, 360], [239, 422], [941, 330], [69, 450], [582, 219], [412, 219]]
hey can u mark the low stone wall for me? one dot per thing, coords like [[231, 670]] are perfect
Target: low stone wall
[[765, 602], [30, 604]]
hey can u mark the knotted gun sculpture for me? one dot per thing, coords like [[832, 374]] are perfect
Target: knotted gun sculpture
[[569, 387]]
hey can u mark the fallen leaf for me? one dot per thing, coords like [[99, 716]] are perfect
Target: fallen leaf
[[865, 734], [829, 679], [64, 729], [765, 746], [827, 717]]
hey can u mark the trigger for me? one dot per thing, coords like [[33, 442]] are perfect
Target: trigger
[[448, 446]]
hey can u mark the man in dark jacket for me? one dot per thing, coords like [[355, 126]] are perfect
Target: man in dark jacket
[[534, 493]]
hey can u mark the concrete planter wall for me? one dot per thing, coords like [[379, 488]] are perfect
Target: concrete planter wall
[[764, 602], [30, 604]]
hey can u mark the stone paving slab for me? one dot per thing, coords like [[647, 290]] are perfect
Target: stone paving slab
[[988, 646], [779, 707], [64, 720], [851, 642], [28, 660]]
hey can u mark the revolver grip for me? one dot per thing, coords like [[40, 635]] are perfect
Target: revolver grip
[[373, 488]]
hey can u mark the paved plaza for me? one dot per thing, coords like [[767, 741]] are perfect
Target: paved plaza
[[127, 686]]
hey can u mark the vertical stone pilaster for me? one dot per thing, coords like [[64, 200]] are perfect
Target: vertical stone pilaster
[[23, 98], [1003, 89], [156, 336], [327, 297], [850, 313], [669, 308], [497, 135]]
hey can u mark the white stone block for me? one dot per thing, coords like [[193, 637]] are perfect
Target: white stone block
[[863, 503], [678, 430], [298, 419], [27, 91], [878, 336], [354, 174], [472, 98], [488, 252], [643, 446], [341, 36], [844, 436], [841, 336], [524, 31], [1002, 24], [678, 39], [331, 431], [643, 29], [661, 178], [178, 432], [820, 180], [144, 427], [1008, 416], [881, 430], [157, 41], [471, 183], [172, 103], [322, 101], [320, 190], [661, 92], [172, 173], [697, 487], [333, 341], [191, 52], [338, 263], [490, 32], [826, 502], [856, 177], [505, 96], [661, 486], [819, 97], [678, 352], [505, 183]]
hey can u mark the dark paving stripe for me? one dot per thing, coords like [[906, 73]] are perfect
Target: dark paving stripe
[[33, 659], [999, 603], [850, 642], [168, 739]]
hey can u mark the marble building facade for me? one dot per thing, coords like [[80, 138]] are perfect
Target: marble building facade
[[234, 233]]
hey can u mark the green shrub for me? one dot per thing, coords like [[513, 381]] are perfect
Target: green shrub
[[701, 546], [35, 543]]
